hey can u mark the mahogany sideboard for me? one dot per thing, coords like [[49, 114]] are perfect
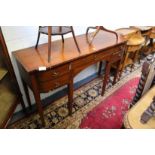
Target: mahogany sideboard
[[66, 62]]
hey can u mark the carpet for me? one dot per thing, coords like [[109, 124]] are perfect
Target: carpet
[[86, 98], [110, 112]]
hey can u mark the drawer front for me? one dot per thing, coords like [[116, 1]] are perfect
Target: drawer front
[[83, 61], [53, 84], [116, 56], [102, 56], [81, 64], [52, 74], [106, 55]]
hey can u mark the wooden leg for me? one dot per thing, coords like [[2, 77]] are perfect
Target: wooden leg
[[117, 71], [49, 42], [37, 39], [27, 93], [134, 59], [75, 39], [108, 66], [100, 68], [123, 64], [62, 38], [70, 97], [37, 99]]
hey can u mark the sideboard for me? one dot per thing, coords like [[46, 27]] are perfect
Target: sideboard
[[42, 76]]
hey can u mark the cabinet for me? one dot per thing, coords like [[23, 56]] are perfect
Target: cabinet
[[10, 95]]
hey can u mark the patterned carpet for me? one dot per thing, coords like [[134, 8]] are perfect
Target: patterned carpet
[[85, 99]]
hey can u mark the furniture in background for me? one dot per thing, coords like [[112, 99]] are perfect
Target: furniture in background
[[90, 36], [152, 37], [132, 119], [147, 78], [10, 95], [53, 31], [134, 45], [43, 76], [145, 31]]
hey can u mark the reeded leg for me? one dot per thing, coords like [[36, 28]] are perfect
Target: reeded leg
[[117, 72], [27, 93], [108, 66], [37, 99], [70, 97], [100, 68]]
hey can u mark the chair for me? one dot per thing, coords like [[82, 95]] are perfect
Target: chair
[[10, 95], [132, 119], [146, 80], [55, 31]]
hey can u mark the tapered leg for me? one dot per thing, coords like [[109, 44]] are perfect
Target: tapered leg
[[117, 71], [70, 96], [37, 99], [75, 39], [134, 59], [49, 42], [27, 93], [108, 66], [100, 68]]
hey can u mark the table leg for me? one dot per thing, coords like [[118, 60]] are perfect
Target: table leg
[[117, 71], [100, 68], [37, 99], [70, 96], [107, 71], [27, 93]]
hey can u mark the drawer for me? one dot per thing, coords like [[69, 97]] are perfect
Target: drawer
[[106, 55], [116, 56], [53, 73], [102, 56], [83, 61], [53, 84]]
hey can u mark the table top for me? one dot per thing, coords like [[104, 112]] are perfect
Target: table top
[[132, 118], [143, 28], [31, 59]]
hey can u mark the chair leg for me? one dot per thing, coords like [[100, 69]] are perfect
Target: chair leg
[[62, 38], [75, 39], [37, 39]]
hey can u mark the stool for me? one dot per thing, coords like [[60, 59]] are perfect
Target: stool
[[145, 31], [152, 37], [55, 30], [133, 116], [134, 44]]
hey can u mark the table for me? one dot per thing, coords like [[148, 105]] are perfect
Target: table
[[43, 76], [132, 118]]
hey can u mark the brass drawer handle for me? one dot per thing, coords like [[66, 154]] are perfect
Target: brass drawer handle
[[55, 73], [57, 84]]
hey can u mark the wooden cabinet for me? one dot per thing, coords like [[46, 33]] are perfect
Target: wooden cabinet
[[10, 94]]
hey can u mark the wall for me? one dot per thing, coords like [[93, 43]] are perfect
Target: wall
[[18, 37]]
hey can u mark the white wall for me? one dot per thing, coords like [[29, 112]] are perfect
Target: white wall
[[19, 37]]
